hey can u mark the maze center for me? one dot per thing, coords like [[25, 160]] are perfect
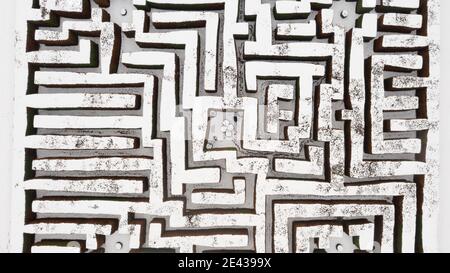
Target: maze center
[[226, 125]]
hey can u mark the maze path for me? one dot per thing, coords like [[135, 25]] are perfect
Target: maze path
[[199, 125]]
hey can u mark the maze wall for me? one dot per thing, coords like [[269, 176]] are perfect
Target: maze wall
[[226, 125]]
